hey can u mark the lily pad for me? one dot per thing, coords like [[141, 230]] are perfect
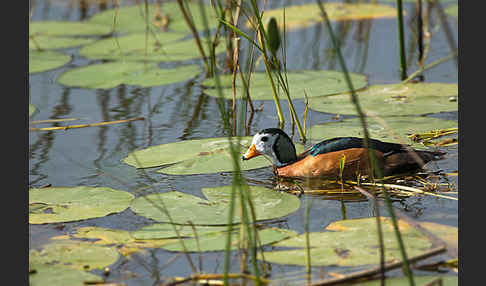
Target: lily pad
[[59, 276], [202, 156], [52, 43], [350, 243], [419, 280], [40, 61], [109, 75], [165, 231], [302, 16], [446, 233], [126, 243], [31, 109], [163, 47], [314, 83], [67, 28], [213, 211], [74, 254], [217, 241], [61, 204], [131, 19], [395, 130], [452, 10], [393, 99]]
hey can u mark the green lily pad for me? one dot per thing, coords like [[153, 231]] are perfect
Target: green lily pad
[[48, 35], [415, 1], [452, 10], [393, 99], [213, 211], [302, 16], [31, 109], [202, 156], [67, 28], [314, 83], [162, 48], [217, 241], [165, 231], [109, 75], [446, 233], [395, 130], [131, 19], [61, 204], [350, 243], [52, 43], [74, 254], [419, 280], [60, 276], [40, 61], [126, 243]]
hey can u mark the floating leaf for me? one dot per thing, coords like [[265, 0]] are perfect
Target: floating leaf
[[61, 204], [31, 109], [165, 230], [40, 61], [125, 242], [61, 34], [131, 19], [43, 274], [419, 280], [200, 156], [302, 16], [415, 1], [213, 211], [217, 241], [109, 75], [51, 43], [393, 99], [74, 254], [452, 10], [314, 83], [350, 242], [67, 28], [448, 234], [395, 130], [163, 47]]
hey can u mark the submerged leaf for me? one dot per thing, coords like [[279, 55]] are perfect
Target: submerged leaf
[[74, 254], [40, 61], [393, 99], [302, 16], [61, 204], [213, 211], [350, 242], [391, 129], [132, 19], [109, 75], [314, 83]]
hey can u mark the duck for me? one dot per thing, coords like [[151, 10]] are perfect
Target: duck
[[323, 159]]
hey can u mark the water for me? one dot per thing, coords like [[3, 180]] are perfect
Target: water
[[92, 156]]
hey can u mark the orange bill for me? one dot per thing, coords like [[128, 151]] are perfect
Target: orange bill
[[252, 152]]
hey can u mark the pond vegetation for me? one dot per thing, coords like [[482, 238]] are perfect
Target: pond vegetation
[[151, 190]]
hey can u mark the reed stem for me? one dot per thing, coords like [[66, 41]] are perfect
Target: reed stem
[[401, 41]]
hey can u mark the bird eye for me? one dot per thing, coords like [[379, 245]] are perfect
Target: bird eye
[[265, 139]]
